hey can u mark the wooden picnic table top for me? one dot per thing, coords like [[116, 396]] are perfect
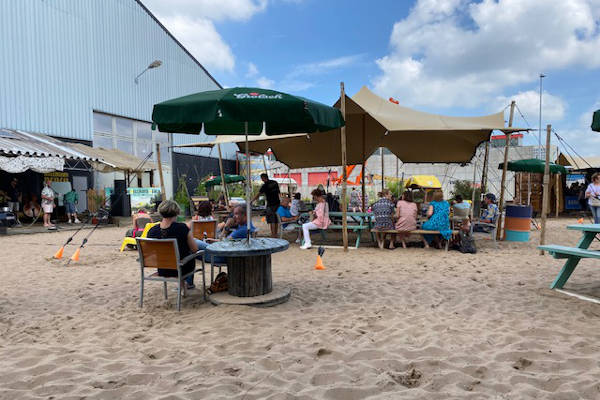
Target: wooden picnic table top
[[350, 214], [585, 227]]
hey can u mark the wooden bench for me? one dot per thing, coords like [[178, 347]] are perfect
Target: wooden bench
[[419, 232]]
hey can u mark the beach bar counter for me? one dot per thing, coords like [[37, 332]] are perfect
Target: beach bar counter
[[250, 280]]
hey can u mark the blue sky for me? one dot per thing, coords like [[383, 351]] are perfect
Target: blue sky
[[454, 57]]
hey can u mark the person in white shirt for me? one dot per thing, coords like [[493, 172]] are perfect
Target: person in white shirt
[[48, 196]]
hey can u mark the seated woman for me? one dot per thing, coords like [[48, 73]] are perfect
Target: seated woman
[[320, 215], [406, 216], [439, 219], [136, 230], [383, 210], [223, 228], [170, 228], [203, 212]]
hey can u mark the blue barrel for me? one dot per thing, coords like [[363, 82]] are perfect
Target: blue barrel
[[517, 223]]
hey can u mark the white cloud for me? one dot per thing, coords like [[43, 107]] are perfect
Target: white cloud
[[252, 70], [201, 38], [553, 107], [325, 66], [265, 83], [215, 10], [456, 52]]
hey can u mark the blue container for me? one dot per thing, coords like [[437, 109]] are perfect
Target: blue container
[[516, 236], [518, 211]]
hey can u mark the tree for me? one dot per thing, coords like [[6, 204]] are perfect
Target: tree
[[465, 189]]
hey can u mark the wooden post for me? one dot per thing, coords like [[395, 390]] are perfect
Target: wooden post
[[364, 161], [397, 181], [382, 171], [502, 184], [484, 173], [546, 191], [556, 191], [344, 172], [473, 193], [223, 183], [265, 164], [160, 173]]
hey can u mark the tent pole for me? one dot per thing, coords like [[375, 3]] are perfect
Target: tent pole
[[397, 182], [265, 164], [529, 188], [557, 194], [473, 192], [484, 173], [248, 185], [344, 172], [223, 183], [545, 193], [362, 189], [382, 170], [506, 147], [160, 173]]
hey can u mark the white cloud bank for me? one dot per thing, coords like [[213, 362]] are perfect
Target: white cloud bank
[[462, 53]]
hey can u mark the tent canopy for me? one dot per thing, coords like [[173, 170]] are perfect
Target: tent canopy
[[533, 165], [113, 159], [579, 162], [373, 122]]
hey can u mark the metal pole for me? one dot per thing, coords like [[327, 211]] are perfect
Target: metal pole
[[248, 186], [556, 193], [382, 171], [546, 192], [344, 172], [223, 183], [364, 161], [160, 173], [484, 173], [507, 146], [473, 193]]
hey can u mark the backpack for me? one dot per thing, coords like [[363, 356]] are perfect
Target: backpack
[[467, 243], [219, 284]]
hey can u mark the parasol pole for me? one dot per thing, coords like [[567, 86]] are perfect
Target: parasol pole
[[248, 183], [223, 183], [546, 190], [473, 185], [364, 160], [160, 173], [344, 171], [382, 170], [506, 147]]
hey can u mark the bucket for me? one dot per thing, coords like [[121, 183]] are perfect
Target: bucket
[[518, 211], [516, 236]]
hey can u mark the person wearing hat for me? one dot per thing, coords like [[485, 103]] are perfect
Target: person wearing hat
[[490, 214]]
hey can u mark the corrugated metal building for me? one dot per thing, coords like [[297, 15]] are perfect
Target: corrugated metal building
[[68, 70]]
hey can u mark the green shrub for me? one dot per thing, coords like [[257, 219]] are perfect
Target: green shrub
[[465, 189]]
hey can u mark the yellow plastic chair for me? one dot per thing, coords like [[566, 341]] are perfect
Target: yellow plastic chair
[[131, 241]]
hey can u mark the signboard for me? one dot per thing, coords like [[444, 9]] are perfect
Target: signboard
[[57, 176], [142, 197], [257, 165]]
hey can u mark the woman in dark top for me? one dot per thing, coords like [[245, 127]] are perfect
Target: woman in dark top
[[169, 228]]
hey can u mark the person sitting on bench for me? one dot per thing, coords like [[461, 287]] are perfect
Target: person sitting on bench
[[406, 217], [285, 215], [489, 215], [439, 219], [320, 218], [383, 210]]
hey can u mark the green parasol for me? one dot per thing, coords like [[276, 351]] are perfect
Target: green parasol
[[242, 110], [228, 179], [596, 121], [533, 165]]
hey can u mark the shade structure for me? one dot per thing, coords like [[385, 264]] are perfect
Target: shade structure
[[533, 165], [216, 180], [222, 112], [245, 111], [596, 121], [423, 181], [373, 122]]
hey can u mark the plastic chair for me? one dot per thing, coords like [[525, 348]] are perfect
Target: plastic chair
[[164, 254], [130, 241]]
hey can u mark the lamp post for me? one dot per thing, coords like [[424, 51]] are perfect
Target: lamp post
[[154, 64]]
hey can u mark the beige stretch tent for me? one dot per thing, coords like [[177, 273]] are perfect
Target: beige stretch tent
[[373, 122]]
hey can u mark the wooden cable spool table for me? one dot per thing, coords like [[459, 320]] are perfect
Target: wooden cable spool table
[[249, 271]]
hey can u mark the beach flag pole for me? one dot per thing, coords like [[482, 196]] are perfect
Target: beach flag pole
[[75, 256], [58, 255], [344, 171]]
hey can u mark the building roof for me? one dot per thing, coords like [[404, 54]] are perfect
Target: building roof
[[16, 142]]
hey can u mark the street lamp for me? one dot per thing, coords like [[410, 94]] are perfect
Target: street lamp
[[154, 64]]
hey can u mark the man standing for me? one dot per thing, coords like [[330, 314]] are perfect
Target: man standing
[[71, 199], [14, 199], [270, 189], [48, 196]]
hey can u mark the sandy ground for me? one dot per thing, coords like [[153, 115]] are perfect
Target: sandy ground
[[376, 324]]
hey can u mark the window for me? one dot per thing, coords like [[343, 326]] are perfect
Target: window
[[124, 127], [102, 123], [102, 141], [144, 131], [125, 145], [143, 148]]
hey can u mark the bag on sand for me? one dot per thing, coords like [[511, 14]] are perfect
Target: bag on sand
[[219, 284], [467, 243]]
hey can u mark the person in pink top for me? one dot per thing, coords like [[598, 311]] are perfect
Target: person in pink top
[[320, 218], [406, 216]]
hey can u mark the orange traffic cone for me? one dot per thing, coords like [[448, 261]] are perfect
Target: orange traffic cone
[[75, 256], [580, 221], [58, 255], [319, 264]]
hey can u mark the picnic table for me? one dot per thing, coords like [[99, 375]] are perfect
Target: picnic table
[[356, 222], [573, 254]]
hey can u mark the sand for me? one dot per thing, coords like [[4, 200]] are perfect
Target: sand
[[377, 324]]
